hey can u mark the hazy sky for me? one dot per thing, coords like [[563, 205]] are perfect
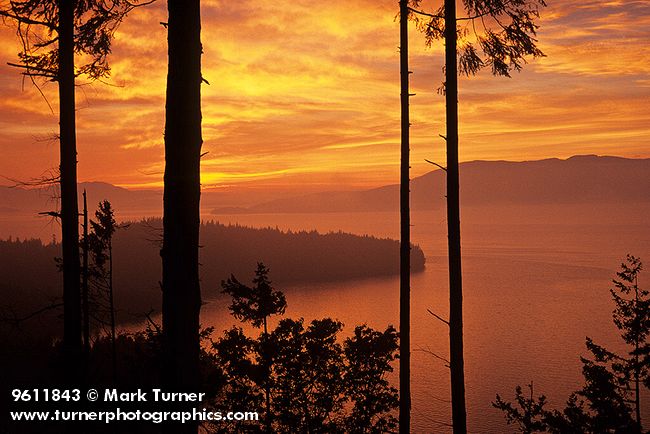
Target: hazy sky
[[305, 93]]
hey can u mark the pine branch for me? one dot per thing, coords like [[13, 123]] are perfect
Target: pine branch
[[25, 20], [42, 71]]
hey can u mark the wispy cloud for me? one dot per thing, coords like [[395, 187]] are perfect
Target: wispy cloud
[[306, 93]]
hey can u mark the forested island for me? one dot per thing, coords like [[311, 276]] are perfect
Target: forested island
[[30, 280]]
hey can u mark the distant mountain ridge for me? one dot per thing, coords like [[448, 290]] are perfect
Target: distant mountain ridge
[[35, 200], [579, 179]]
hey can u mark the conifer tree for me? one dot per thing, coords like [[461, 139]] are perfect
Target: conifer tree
[[610, 400], [255, 305], [54, 34]]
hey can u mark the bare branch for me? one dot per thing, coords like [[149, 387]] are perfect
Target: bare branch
[[152, 322], [442, 423], [426, 14], [16, 321], [428, 351], [51, 214], [436, 164], [47, 179], [443, 320]]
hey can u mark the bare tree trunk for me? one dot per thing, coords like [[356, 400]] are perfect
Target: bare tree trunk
[[112, 307], [181, 219], [267, 385], [457, 368], [637, 398], [637, 389], [72, 347], [405, 234], [84, 286]]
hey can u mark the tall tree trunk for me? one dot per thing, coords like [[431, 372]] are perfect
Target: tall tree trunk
[[405, 234], [457, 368], [72, 346], [637, 389], [111, 303], [180, 252], [267, 383], [84, 285], [637, 396]]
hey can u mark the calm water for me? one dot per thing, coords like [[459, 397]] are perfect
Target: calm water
[[533, 291], [536, 283]]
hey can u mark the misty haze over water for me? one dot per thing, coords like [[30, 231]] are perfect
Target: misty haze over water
[[537, 284], [537, 280]]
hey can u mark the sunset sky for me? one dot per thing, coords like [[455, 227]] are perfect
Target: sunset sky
[[306, 94]]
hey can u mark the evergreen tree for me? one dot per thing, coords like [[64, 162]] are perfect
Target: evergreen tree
[[100, 242], [528, 413], [51, 33], [610, 400], [256, 305], [612, 391]]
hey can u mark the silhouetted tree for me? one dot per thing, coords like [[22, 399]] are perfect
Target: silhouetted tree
[[572, 420], [100, 241], [256, 305], [632, 318], [51, 33], [307, 369], [599, 407], [528, 414], [318, 385], [369, 354], [238, 356], [505, 32], [182, 190], [612, 381], [405, 231], [601, 404]]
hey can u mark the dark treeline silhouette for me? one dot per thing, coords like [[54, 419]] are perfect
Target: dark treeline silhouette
[[294, 256], [29, 279], [30, 282]]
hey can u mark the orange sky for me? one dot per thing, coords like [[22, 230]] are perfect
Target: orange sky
[[306, 94]]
